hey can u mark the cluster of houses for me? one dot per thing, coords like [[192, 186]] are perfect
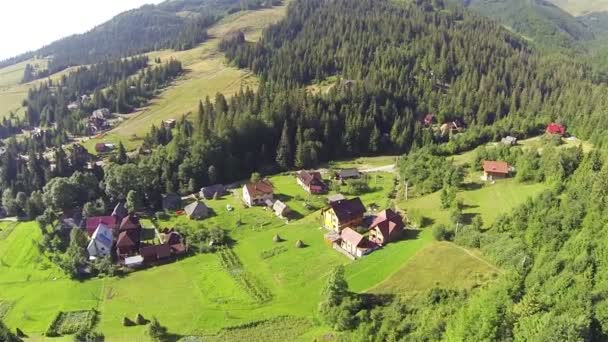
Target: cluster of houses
[[122, 236], [350, 234]]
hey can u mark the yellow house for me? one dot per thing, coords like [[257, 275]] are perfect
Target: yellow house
[[342, 214]]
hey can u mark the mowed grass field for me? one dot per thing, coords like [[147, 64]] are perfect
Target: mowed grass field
[[206, 73], [196, 295], [440, 264]]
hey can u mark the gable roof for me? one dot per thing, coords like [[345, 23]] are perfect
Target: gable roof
[[555, 128], [128, 238], [496, 167], [172, 201], [209, 191], [103, 235], [130, 222], [351, 236], [154, 252], [348, 210], [260, 188], [311, 178], [388, 222], [196, 208], [94, 222], [348, 173], [279, 207]]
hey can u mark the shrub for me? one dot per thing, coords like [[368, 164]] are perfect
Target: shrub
[[441, 233], [357, 187]]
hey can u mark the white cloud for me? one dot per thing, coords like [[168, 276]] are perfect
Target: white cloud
[[29, 24]]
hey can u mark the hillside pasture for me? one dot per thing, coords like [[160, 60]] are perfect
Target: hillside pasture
[[440, 264], [206, 73]]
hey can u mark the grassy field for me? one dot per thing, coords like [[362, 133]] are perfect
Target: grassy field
[[364, 162], [206, 73], [199, 295], [12, 75], [487, 200], [441, 264]]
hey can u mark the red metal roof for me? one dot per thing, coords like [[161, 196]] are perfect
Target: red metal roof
[[496, 167], [259, 189], [93, 222], [351, 236], [555, 128]]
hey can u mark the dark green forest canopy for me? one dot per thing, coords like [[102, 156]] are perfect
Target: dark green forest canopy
[[415, 59]]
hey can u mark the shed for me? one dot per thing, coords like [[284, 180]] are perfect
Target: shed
[[345, 174], [197, 210], [172, 202], [210, 192]]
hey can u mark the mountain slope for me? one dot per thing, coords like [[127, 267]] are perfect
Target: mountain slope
[[582, 7], [139, 30], [542, 22]]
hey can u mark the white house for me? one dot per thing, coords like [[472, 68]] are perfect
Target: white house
[[101, 242], [257, 193]]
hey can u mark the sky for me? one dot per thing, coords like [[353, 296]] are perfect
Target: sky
[[30, 24]]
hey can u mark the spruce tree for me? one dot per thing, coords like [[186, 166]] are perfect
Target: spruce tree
[[284, 153]]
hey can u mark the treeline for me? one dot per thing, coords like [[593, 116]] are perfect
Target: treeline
[[424, 58]]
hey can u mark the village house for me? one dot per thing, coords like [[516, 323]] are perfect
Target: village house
[[172, 202], [387, 227], [175, 240], [257, 193], [335, 198], [197, 210], [213, 191], [153, 253], [342, 214], [103, 147], [346, 174], [128, 243], [280, 209], [101, 242], [355, 244], [130, 222], [495, 170], [312, 182], [509, 141], [93, 222], [556, 129]]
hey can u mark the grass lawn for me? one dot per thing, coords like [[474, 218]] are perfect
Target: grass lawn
[[441, 264]]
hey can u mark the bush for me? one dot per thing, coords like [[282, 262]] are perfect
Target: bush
[[441, 233], [357, 187]]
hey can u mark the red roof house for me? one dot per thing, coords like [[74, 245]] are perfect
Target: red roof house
[[555, 128], [257, 193], [312, 182], [387, 227], [355, 244], [130, 222], [128, 242], [93, 222], [495, 169]]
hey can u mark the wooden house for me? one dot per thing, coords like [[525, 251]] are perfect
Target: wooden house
[[257, 193], [197, 210], [346, 174], [213, 191], [312, 182], [495, 170], [128, 243], [355, 244], [387, 227], [342, 214]]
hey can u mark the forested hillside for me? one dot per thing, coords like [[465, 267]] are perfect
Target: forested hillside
[[547, 25], [178, 24]]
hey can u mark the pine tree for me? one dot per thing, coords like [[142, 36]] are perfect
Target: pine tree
[[121, 156], [284, 153]]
